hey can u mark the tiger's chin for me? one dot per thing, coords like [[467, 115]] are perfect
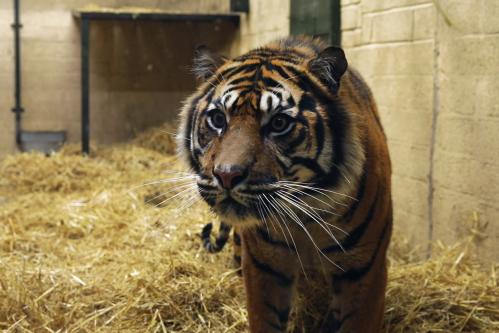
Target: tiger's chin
[[236, 213]]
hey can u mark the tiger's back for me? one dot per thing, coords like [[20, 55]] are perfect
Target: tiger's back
[[300, 165]]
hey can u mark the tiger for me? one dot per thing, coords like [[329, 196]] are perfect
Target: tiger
[[287, 148]]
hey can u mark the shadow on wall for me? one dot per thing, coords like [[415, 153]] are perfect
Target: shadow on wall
[[140, 72]]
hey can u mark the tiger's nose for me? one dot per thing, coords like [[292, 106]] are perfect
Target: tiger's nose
[[229, 176]]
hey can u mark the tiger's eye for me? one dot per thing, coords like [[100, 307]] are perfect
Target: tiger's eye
[[217, 120], [279, 123]]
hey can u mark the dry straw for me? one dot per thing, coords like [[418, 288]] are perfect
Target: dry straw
[[85, 248]]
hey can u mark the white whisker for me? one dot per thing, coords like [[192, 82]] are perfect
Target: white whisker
[[163, 181], [168, 191], [277, 222], [313, 209], [183, 192], [268, 210], [296, 247], [316, 218], [317, 189], [297, 189], [298, 221]]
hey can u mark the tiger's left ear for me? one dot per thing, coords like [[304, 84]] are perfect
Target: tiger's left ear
[[206, 62], [329, 66]]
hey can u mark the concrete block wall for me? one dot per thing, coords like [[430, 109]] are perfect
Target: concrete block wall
[[139, 72], [434, 73], [267, 21]]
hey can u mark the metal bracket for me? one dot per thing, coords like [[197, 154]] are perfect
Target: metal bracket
[[17, 110]]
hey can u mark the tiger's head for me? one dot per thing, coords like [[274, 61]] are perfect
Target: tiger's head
[[265, 121]]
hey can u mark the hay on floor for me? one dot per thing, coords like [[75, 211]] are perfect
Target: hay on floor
[[85, 248]]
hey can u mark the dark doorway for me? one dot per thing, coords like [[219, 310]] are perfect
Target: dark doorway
[[319, 18]]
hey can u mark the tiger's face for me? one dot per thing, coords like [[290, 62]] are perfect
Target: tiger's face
[[259, 124]]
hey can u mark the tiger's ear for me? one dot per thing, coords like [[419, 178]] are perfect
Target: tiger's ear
[[329, 66], [206, 62]]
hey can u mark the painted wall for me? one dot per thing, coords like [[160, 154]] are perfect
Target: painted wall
[[435, 74]]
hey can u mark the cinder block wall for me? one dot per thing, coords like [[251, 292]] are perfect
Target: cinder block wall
[[139, 71], [267, 21], [435, 75]]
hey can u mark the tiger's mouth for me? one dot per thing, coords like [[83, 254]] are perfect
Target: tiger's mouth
[[237, 206], [230, 205]]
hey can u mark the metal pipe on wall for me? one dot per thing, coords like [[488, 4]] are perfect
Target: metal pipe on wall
[[17, 109]]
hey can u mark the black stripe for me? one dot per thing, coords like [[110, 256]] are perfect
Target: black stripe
[[187, 134], [294, 61], [332, 178], [191, 119], [208, 197], [269, 103], [220, 240], [308, 163], [304, 82], [319, 133], [291, 146], [206, 187], [279, 70], [265, 236], [307, 103], [338, 124], [333, 323], [196, 153], [239, 87], [270, 82], [355, 236], [237, 259], [279, 97], [356, 274], [282, 280], [259, 190], [243, 68], [274, 326], [282, 315], [360, 195], [283, 165], [237, 238], [241, 80]]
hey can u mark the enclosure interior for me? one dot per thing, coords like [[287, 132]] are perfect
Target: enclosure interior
[[140, 72]]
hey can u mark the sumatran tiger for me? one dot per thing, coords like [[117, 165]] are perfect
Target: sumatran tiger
[[287, 147]]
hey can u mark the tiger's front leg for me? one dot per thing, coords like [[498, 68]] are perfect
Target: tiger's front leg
[[269, 276], [359, 292]]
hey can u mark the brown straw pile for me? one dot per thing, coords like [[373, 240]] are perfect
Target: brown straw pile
[[85, 248]]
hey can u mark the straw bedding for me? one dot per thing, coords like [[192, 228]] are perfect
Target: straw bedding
[[83, 249]]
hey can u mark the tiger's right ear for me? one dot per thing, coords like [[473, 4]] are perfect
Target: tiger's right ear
[[206, 62]]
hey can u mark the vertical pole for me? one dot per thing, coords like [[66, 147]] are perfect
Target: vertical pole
[[85, 112], [17, 109]]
